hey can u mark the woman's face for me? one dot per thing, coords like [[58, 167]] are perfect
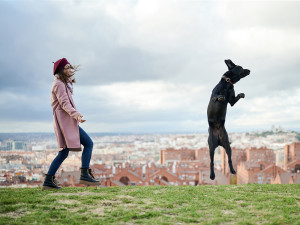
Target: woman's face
[[67, 70]]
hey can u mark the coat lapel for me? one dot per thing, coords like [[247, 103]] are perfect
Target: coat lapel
[[70, 97]]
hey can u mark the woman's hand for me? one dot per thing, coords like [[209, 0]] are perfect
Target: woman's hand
[[80, 119]]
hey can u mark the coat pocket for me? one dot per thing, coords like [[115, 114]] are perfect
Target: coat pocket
[[69, 128]]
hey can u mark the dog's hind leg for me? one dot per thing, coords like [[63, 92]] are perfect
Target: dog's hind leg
[[226, 145], [212, 143]]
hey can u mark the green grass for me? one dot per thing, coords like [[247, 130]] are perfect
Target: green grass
[[234, 204]]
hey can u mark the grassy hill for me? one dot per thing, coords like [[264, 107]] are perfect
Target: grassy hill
[[235, 204]]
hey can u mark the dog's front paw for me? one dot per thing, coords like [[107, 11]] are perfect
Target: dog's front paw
[[241, 95]]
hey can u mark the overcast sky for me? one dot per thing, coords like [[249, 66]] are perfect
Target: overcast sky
[[150, 66]]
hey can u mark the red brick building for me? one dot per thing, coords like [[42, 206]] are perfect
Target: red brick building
[[291, 155], [286, 178], [291, 166], [181, 167], [260, 166], [260, 172], [171, 155], [260, 154], [191, 167]]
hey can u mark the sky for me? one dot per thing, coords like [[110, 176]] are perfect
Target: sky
[[149, 66]]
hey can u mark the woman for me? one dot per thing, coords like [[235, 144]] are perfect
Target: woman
[[66, 118]]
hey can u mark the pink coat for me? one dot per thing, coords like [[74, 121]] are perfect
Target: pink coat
[[65, 117]]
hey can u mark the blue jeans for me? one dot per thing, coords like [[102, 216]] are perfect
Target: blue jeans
[[87, 143]]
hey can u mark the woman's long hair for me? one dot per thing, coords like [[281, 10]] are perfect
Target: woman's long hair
[[64, 77]]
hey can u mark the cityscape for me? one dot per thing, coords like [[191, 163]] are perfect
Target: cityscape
[[268, 157]]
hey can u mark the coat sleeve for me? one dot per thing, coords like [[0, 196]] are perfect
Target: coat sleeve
[[64, 101]]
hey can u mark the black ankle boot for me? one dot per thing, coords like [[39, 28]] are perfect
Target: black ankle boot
[[50, 183], [87, 177]]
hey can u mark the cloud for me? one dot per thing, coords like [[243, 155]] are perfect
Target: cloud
[[150, 65], [144, 96], [142, 101], [261, 112], [22, 106]]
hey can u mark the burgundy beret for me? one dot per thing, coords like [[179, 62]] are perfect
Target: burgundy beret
[[59, 64]]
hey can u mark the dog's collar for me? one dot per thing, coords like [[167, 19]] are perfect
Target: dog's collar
[[227, 80]]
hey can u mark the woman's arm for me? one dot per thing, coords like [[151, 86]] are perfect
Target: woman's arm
[[64, 101]]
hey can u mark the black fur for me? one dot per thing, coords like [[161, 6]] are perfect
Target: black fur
[[222, 94]]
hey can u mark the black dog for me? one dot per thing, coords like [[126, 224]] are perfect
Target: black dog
[[216, 111]]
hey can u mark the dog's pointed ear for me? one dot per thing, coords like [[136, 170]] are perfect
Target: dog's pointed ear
[[229, 64]]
